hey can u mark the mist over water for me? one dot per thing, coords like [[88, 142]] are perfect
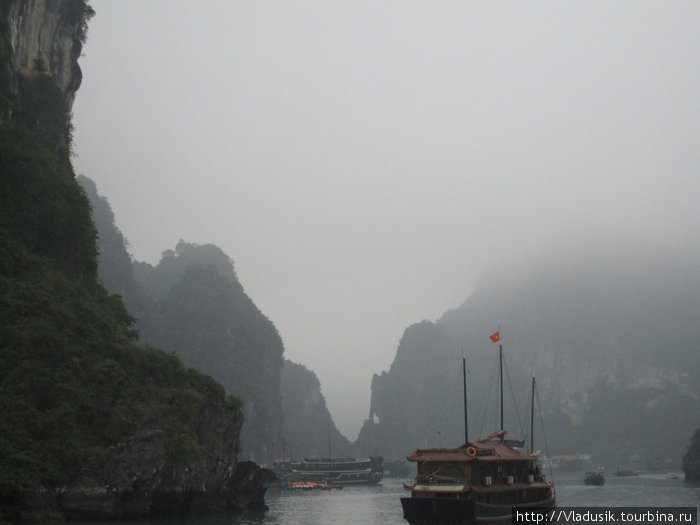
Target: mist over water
[[319, 180], [365, 164]]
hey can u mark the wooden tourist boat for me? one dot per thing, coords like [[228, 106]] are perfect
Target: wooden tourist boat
[[338, 471], [481, 481]]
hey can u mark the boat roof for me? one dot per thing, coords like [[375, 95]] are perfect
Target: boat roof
[[490, 448]]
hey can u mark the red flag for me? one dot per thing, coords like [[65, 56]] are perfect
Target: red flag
[[495, 337]]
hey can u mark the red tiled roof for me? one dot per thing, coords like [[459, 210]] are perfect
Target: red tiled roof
[[486, 449]]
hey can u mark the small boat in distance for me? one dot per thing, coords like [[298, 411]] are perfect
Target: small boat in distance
[[594, 478], [309, 485], [336, 471], [478, 482]]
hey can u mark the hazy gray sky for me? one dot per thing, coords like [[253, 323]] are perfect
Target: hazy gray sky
[[363, 162]]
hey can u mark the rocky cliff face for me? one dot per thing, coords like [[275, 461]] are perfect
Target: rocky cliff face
[[309, 430], [144, 476], [155, 472], [289, 398], [691, 459], [40, 46], [609, 332], [192, 303], [91, 426], [202, 313]]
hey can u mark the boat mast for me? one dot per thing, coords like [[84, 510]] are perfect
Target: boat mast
[[464, 382], [532, 418], [500, 360]]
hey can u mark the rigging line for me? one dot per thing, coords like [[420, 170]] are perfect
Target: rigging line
[[512, 395], [488, 400], [544, 434], [525, 413]]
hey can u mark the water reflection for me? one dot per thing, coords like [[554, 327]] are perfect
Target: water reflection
[[381, 505]]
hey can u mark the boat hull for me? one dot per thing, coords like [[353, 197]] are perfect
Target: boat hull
[[462, 511], [337, 471], [346, 479]]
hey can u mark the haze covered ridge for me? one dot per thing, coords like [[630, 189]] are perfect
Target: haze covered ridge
[[609, 330], [373, 160]]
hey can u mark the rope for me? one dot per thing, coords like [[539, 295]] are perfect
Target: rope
[[544, 435], [512, 396], [525, 414], [488, 399]]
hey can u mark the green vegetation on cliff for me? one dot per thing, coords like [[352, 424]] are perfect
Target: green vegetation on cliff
[[72, 381], [44, 212], [82, 407], [192, 303], [201, 312]]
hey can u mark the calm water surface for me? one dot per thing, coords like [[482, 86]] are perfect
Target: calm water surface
[[380, 505]]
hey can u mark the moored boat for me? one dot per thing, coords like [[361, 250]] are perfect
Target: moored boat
[[337, 471], [309, 485], [594, 478], [479, 482]]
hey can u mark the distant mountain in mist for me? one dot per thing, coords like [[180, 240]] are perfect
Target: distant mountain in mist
[[114, 262], [308, 426], [609, 329], [193, 304], [203, 314]]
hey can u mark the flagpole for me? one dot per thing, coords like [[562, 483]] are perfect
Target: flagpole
[[500, 359], [464, 382], [532, 418], [495, 338]]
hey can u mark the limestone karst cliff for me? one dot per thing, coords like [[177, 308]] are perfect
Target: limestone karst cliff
[[91, 425], [691, 459], [610, 331], [202, 313], [39, 76], [309, 430]]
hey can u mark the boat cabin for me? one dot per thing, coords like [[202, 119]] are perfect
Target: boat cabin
[[492, 468]]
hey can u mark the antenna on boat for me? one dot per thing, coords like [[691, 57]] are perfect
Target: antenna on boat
[[464, 382], [532, 418]]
